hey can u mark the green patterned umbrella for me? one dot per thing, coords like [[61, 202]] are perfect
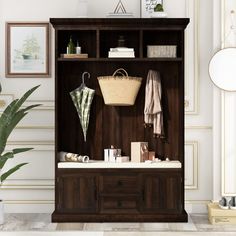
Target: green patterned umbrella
[[82, 99]]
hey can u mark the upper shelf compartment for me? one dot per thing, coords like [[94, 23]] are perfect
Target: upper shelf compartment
[[109, 39], [162, 38], [85, 38], [97, 36]]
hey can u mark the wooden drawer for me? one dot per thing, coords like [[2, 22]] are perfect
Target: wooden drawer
[[121, 204], [119, 184]]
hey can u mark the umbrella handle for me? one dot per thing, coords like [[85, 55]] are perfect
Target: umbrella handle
[[83, 75]]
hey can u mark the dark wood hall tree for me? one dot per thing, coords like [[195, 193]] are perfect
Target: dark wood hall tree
[[121, 194]]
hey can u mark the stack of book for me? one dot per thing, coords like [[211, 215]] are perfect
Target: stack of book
[[121, 52]]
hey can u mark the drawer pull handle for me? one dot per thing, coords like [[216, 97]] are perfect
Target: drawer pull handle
[[119, 183], [119, 204]]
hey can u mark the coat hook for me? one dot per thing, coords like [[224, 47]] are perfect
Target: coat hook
[[83, 76]]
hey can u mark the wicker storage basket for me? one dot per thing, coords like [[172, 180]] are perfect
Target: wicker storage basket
[[119, 90]]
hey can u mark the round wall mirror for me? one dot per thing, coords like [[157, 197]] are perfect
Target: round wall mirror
[[222, 69]]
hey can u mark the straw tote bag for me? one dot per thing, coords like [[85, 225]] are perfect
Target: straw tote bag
[[120, 89]]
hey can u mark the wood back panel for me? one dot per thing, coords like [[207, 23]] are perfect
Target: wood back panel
[[118, 126]]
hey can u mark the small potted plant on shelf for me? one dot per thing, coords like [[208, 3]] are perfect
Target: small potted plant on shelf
[[9, 119], [158, 11]]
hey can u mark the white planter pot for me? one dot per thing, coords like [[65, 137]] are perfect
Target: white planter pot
[[158, 14], [1, 212]]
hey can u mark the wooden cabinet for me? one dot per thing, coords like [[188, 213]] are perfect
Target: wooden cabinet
[[162, 193], [120, 194], [77, 193]]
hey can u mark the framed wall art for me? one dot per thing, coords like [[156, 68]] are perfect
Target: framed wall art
[[27, 49], [147, 7]]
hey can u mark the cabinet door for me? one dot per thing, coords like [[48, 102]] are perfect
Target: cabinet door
[[77, 194], [162, 193]]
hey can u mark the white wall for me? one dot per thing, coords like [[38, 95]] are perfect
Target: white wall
[[31, 189], [216, 42], [228, 112], [199, 125]]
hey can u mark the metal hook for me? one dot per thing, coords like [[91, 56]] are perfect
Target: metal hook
[[83, 75]]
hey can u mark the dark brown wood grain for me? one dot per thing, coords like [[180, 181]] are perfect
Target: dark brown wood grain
[[117, 126], [149, 195], [77, 193], [162, 193], [120, 217], [119, 184]]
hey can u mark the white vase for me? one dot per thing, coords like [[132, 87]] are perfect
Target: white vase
[[1, 212], [82, 8]]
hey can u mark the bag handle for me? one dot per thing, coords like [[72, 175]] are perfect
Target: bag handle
[[121, 71]]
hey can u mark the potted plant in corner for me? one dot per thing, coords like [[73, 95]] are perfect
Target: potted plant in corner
[[158, 11], [10, 117]]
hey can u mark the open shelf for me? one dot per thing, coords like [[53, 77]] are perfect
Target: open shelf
[[109, 39], [178, 59], [97, 43], [85, 38]]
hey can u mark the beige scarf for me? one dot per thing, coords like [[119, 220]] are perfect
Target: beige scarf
[[152, 109]]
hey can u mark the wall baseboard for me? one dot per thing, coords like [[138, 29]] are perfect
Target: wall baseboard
[[47, 206], [196, 206], [31, 206]]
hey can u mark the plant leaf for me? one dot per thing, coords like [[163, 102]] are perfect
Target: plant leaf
[[17, 117], [9, 155], [31, 107], [23, 98], [15, 120], [5, 157], [8, 110], [11, 171], [8, 129], [11, 117], [6, 116], [14, 107], [19, 150]]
